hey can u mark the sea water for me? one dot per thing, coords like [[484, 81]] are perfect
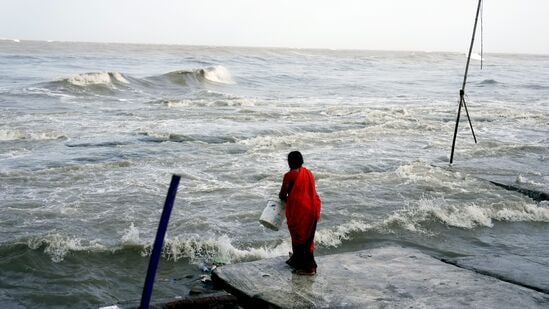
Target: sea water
[[90, 135]]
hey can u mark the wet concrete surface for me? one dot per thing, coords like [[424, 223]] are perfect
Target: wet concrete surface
[[390, 277]]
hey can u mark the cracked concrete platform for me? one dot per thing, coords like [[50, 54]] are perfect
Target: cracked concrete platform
[[390, 277]]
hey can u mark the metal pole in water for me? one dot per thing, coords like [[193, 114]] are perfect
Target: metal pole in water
[[470, 124], [457, 124], [158, 242], [462, 90]]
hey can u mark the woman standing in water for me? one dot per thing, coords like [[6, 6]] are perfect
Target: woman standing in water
[[302, 213]]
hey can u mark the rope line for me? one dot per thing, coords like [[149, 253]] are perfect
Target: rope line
[[481, 34]]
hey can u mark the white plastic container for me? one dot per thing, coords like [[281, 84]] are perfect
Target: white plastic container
[[274, 214]]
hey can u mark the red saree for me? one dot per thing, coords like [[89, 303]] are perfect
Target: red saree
[[302, 213]]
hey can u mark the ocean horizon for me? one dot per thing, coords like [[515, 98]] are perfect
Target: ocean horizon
[[320, 48]]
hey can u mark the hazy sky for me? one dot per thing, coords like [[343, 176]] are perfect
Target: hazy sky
[[434, 25]]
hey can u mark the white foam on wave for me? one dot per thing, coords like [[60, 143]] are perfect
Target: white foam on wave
[[199, 249], [419, 171], [131, 236], [238, 102], [400, 119], [219, 249], [382, 116], [58, 246], [218, 74], [475, 56], [524, 180], [428, 211], [179, 103], [333, 237], [97, 78], [10, 135], [468, 216], [274, 142], [185, 103]]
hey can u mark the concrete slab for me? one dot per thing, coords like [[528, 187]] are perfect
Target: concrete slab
[[390, 277], [528, 271]]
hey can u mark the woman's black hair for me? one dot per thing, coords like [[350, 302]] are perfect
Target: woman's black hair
[[295, 159]]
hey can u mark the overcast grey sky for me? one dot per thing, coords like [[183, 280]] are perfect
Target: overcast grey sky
[[433, 25]]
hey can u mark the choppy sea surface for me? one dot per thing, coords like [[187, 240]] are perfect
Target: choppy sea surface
[[90, 135]]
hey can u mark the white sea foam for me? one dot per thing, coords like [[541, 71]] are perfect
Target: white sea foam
[[475, 56], [97, 78], [524, 180], [183, 103], [273, 142], [242, 102], [466, 216], [58, 246], [198, 249], [193, 247], [219, 249], [218, 74], [179, 103], [215, 74], [131, 236], [10, 135], [333, 237], [419, 171]]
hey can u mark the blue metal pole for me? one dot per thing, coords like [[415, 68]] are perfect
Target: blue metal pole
[[158, 242]]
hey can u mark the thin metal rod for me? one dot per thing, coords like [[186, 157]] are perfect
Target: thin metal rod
[[470, 124], [481, 35], [456, 129], [158, 242], [471, 46]]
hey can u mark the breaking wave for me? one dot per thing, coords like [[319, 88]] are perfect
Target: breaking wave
[[525, 180], [112, 82], [102, 78], [221, 249], [11, 135], [218, 249], [335, 236], [216, 74], [58, 246], [223, 101], [420, 218], [468, 216], [92, 83]]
